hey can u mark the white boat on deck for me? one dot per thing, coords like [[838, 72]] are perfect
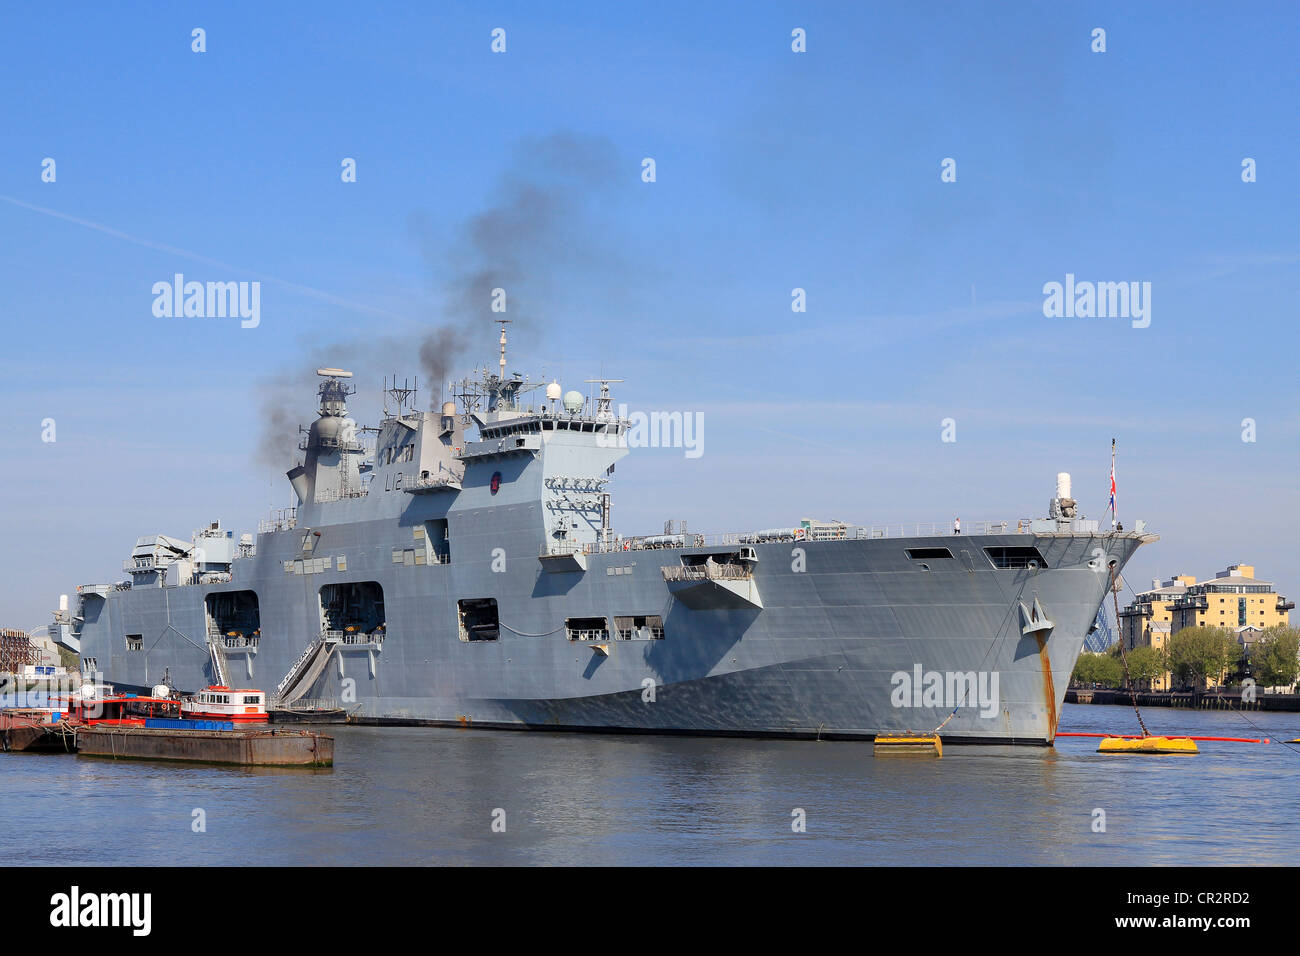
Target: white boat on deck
[[239, 705]]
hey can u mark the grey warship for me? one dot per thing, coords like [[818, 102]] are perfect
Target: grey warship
[[459, 566]]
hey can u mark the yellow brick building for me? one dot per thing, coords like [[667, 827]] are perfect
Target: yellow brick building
[[1148, 621], [1234, 599]]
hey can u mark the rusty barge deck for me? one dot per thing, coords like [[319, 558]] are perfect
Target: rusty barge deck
[[23, 732], [243, 748]]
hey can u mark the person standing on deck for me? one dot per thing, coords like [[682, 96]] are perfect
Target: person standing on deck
[[956, 526]]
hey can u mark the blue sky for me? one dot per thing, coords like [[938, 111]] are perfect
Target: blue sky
[[775, 170]]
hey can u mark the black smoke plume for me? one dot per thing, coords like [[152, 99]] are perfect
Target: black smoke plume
[[535, 226]]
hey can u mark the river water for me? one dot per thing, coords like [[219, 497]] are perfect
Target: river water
[[444, 796]]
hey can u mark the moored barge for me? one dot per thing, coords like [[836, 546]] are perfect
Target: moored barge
[[32, 732], [244, 748], [211, 728]]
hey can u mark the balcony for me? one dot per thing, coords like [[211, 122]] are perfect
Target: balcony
[[351, 638], [564, 556], [708, 572], [429, 484], [649, 633], [713, 586]]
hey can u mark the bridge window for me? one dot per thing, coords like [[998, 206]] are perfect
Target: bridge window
[[135, 642], [478, 619]]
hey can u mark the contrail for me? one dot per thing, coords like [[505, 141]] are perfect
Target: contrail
[[172, 250]]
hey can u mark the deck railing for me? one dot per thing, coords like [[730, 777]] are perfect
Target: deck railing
[[827, 531], [340, 495], [424, 483], [282, 519], [352, 637], [708, 572], [640, 633], [310, 704]]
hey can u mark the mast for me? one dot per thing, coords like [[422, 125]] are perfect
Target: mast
[[504, 323], [1113, 515]]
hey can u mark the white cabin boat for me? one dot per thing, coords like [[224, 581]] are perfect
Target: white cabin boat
[[239, 705]]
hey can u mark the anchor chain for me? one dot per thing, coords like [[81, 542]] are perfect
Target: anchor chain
[[1132, 694]]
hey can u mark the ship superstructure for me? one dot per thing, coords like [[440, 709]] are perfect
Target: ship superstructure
[[465, 570]]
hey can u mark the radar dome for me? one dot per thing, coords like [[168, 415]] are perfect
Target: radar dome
[[449, 409], [573, 402], [327, 428], [553, 392]]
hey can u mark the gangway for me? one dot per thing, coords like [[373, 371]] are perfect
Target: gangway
[[218, 655], [305, 671]]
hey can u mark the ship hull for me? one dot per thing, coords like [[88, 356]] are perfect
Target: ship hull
[[829, 639]]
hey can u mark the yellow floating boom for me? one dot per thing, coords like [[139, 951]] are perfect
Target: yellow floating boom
[[1147, 745], [925, 745]]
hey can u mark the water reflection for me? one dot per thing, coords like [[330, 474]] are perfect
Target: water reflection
[[428, 796]]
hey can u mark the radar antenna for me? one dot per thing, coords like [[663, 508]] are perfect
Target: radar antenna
[[602, 403], [468, 393], [334, 391], [403, 395]]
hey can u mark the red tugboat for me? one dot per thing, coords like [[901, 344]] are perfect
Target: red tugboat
[[239, 705], [97, 707]]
